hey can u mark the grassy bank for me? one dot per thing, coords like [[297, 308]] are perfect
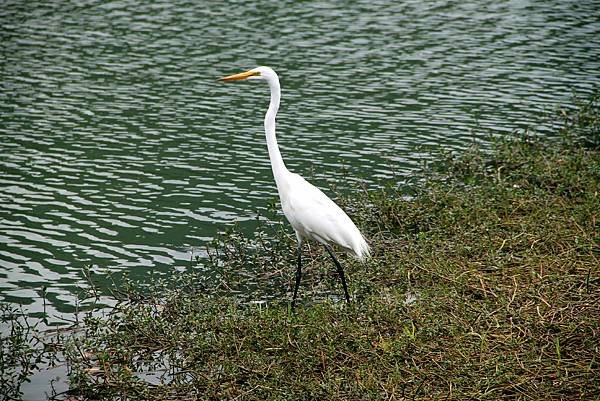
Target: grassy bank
[[484, 284]]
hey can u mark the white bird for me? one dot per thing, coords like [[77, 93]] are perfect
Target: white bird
[[310, 212]]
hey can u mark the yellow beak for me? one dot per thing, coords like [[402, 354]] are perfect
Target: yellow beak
[[240, 76]]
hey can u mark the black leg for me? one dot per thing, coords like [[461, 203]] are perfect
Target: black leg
[[339, 270], [298, 274]]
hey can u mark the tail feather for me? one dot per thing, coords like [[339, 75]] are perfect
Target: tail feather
[[361, 249]]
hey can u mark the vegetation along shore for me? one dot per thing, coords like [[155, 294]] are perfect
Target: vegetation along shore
[[483, 284]]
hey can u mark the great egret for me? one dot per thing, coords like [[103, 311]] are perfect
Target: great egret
[[310, 212]]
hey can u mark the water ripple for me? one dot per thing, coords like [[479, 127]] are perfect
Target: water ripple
[[120, 149]]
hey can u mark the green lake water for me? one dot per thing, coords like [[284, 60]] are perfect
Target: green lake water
[[118, 147]]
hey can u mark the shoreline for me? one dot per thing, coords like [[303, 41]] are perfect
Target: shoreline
[[482, 286]]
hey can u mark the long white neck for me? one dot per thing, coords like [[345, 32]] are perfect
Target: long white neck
[[279, 169]]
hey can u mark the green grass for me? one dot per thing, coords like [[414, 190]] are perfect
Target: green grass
[[483, 285]]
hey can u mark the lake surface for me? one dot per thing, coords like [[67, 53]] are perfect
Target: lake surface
[[118, 147]]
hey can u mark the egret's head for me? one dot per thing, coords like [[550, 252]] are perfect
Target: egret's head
[[265, 73]]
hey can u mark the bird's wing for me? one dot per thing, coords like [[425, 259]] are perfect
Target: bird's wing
[[313, 214]]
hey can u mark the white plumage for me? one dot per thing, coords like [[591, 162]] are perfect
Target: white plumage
[[311, 213]]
